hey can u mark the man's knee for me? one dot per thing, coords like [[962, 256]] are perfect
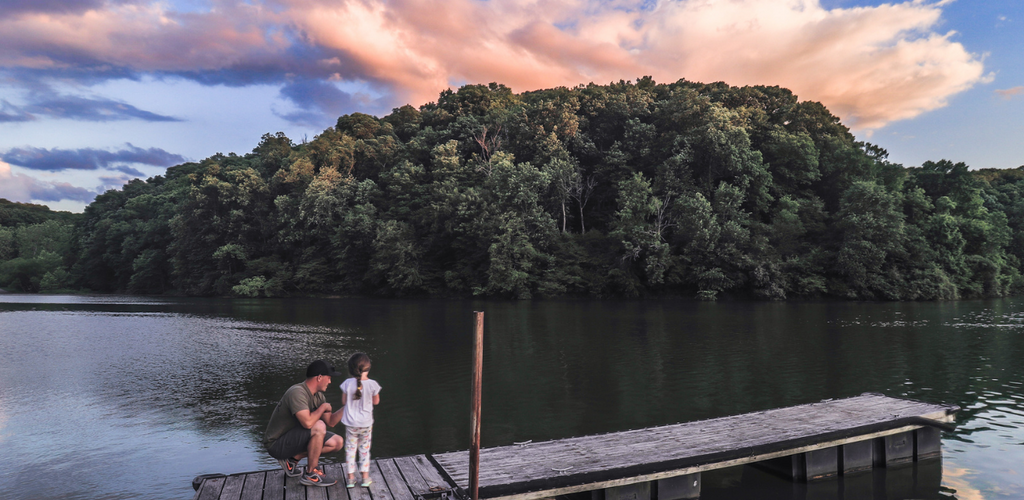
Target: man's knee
[[318, 429], [335, 443]]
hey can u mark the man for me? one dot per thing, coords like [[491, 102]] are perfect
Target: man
[[298, 426]]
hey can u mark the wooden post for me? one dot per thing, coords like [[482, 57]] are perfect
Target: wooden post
[[474, 422]]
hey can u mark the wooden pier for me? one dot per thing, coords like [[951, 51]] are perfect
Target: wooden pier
[[805, 442], [403, 478]]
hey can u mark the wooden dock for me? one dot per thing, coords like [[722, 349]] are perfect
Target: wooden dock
[[546, 469], [403, 478], [805, 442]]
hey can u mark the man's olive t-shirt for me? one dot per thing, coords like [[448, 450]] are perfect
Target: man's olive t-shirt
[[295, 399]]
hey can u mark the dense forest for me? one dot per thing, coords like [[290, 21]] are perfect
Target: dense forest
[[621, 190]]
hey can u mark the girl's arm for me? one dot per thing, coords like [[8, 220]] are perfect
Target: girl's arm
[[376, 399], [343, 397]]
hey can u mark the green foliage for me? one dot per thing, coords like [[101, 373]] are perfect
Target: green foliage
[[256, 286], [35, 257], [640, 224], [14, 214], [8, 247], [55, 280], [26, 274], [870, 225], [627, 189], [50, 236]]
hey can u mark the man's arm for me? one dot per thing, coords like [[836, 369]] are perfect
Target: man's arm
[[332, 419], [308, 418]]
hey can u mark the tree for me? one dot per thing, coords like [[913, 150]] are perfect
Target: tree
[[641, 225], [872, 236]]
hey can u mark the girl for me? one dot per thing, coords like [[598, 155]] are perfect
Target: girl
[[358, 396]]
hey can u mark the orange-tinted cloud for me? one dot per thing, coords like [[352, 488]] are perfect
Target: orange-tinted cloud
[[870, 65], [20, 187], [1010, 93]]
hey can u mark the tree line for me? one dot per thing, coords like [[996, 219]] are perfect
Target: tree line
[[621, 190]]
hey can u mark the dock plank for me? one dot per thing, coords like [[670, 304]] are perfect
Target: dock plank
[[316, 492], [293, 489], [508, 470], [358, 493], [232, 487], [337, 490], [407, 466], [379, 489], [273, 488], [253, 488], [396, 484], [430, 473], [211, 488]]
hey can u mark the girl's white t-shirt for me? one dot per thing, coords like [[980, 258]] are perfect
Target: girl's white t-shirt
[[358, 412]]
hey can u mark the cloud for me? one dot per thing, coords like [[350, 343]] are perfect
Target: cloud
[[94, 110], [10, 113], [1010, 93], [870, 65], [89, 159], [24, 188], [114, 181], [9, 7], [319, 101], [42, 100], [133, 173]]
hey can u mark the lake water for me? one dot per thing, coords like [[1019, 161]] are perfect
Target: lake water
[[125, 397]]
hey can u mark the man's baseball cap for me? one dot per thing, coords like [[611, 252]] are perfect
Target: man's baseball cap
[[321, 367]]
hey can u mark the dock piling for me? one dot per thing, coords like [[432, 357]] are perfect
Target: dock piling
[[820, 464], [927, 443], [856, 457], [477, 389], [898, 449]]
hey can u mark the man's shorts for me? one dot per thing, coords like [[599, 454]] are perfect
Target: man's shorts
[[293, 442]]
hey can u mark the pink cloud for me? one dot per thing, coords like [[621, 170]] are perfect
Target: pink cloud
[[870, 65], [24, 188], [1010, 93]]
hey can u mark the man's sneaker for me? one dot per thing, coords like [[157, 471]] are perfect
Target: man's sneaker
[[290, 466], [315, 477]]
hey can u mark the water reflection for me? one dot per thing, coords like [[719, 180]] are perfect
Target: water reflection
[[140, 395]]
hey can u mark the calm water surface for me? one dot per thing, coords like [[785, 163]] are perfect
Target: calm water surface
[[126, 397]]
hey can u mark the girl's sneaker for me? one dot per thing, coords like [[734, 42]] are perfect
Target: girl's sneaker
[[350, 482], [315, 477], [290, 466], [366, 483]]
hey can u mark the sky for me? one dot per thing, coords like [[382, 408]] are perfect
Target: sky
[[94, 93]]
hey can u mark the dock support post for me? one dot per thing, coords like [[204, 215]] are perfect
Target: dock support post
[[857, 457], [474, 422], [679, 488], [635, 491], [927, 443], [804, 467], [896, 449], [791, 467], [819, 464]]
